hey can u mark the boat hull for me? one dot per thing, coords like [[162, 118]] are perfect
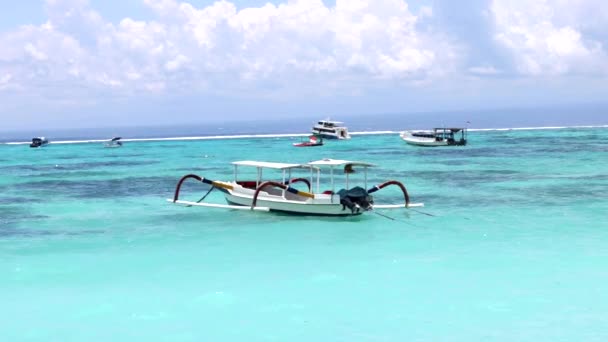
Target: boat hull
[[331, 136], [425, 142], [327, 206], [307, 144]]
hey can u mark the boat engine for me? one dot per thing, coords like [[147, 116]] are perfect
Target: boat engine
[[356, 199]]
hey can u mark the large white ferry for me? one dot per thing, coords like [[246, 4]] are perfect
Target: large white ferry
[[331, 129]]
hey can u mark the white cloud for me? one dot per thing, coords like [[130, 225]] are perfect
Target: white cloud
[[189, 48], [550, 37], [484, 70], [34, 52], [5, 81]]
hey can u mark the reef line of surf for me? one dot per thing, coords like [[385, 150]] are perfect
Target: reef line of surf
[[288, 135]]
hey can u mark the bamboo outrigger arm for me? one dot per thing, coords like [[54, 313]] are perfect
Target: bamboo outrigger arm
[[179, 184], [393, 182], [219, 185]]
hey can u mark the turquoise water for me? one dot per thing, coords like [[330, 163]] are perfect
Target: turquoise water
[[516, 249]]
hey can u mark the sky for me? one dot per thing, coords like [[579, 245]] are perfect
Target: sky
[[96, 63]]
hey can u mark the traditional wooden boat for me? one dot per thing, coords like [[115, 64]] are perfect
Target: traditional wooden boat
[[282, 196], [436, 137]]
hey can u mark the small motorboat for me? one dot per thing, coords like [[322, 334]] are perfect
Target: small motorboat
[[313, 140], [436, 137], [39, 142], [262, 194], [113, 143]]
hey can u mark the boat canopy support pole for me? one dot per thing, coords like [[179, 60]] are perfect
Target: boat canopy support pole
[[318, 176], [392, 182]]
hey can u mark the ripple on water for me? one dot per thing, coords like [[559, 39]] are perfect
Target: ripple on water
[[76, 166], [107, 188]]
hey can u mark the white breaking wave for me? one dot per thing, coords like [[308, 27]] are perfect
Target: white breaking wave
[[288, 135]]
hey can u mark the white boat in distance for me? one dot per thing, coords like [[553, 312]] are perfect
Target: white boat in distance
[[331, 129], [269, 195], [436, 137]]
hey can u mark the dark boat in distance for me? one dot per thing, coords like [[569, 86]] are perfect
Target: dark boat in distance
[[114, 142], [39, 142]]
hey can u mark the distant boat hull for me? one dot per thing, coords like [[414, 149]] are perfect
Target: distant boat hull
[[313, 140], [333, 136], [307, 144]]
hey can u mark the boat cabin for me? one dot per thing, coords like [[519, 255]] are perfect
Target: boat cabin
[[450, 135], [329, 123]]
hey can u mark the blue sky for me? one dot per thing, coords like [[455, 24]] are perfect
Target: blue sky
[[79, 63]]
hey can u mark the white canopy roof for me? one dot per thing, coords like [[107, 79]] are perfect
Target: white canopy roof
[[338, 162], [270, 165]]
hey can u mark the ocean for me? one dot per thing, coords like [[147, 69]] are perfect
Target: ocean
[[510, 246]]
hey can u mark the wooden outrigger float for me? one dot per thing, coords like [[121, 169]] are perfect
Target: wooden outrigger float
[[269, 195]]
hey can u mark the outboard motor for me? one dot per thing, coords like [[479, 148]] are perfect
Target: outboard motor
[[356, 199]]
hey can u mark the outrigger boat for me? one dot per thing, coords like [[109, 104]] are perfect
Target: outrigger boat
[[282, 196]]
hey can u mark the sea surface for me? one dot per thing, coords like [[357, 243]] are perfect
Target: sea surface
[[512, 244]]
